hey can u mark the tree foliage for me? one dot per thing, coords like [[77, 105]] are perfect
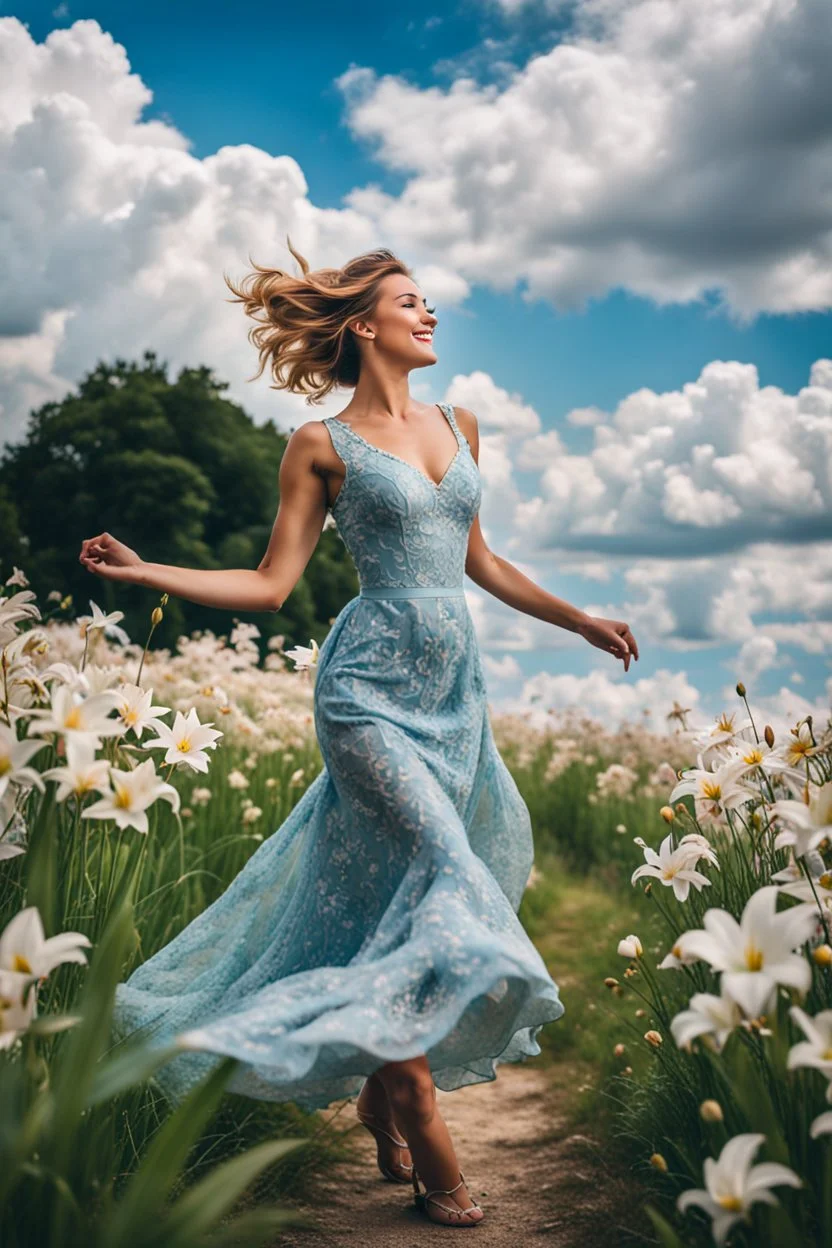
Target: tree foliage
[[177, 471]]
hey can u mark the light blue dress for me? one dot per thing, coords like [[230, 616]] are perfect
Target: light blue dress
[[379, 921]]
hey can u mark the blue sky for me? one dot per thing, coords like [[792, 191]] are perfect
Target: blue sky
[[597, 272]]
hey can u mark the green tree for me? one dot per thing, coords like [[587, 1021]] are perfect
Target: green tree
[[175, 469]]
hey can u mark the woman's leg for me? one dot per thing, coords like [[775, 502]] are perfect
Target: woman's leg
[[412, 1096], [373, 1099]]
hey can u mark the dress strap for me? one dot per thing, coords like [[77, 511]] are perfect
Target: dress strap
[[449, 413], [346, 446]]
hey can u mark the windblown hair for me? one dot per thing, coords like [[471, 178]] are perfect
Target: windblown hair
[[302, 321]]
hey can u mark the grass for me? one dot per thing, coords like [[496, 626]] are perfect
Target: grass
[[576, 922]]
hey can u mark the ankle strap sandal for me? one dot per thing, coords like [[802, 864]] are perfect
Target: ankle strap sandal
[[385, 1170], [423, 1199]]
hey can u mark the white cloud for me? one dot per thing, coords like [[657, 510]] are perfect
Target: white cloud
[[116, 238], [611, 699], [670, 147], [712, 467]]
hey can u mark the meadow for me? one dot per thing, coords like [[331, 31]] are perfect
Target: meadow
[[681, 896]]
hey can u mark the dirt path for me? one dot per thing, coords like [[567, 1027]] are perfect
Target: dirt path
[[535, 1179]]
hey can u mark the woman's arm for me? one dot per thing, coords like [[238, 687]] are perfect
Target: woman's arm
[[499, 577], [297, 527]]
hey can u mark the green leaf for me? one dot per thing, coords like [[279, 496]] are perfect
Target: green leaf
[[50, 1024], [147, 1191], [256, 1227], [74, 1066], [128, 1068], [206, 1202], [667, 1236], [754, 1098]]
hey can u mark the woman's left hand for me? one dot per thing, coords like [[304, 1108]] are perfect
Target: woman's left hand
[[614, 636]]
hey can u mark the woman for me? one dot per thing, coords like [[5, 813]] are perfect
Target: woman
[[371, 945]]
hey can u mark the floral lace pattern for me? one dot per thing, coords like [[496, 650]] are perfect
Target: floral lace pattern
[[379, 921]]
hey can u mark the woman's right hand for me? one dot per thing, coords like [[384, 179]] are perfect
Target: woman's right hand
[[106, 556]]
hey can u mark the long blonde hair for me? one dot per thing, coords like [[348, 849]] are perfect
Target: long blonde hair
[[301, 330]]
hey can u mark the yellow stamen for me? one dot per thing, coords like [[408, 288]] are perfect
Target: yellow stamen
[[5, 765], [21, 963], [122, 796], [732, 1203], [184, 745], [753, 959], [73, 719]]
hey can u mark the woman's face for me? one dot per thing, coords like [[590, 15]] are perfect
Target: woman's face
[[401, 323]]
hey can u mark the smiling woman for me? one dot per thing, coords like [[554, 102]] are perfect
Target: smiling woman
[[371, 945]]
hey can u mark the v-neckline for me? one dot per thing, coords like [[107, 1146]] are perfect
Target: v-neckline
[[437, 485]]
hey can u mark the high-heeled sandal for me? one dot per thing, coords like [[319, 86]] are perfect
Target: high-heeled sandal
[[423, 1199], [388, 1173]]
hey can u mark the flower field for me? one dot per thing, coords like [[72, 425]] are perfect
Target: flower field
[[134, 784]]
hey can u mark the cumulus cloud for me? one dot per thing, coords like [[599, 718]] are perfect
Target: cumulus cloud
[[116, 238], [610, 700], [712, 467], [672, 147]]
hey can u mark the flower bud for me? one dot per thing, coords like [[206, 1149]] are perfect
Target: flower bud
[[618, 1051], [659, 1162], [164, 600], [648, 888], [653, 1037], [156, 615], [610, 982], [822, 955], [740, 688], [681, 809], [668, 814], [711, 1111], [768, 733], [641, 1013]]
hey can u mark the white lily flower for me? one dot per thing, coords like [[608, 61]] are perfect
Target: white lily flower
[[700, 847], [133, 704], [14, 755], [186, 742], [130, 795], [822, 1125], [711, 744], [817, 892], [108, 623], [18, 577], [800, 746], [674, 867], [83, 773], [707, 1015], [304, 657], [756, 954], [74, 715], [714, 790], [676, 959], [630, 947], [808, 820], [816, 1049], [24, 949], [757, 754], [18, 607], [733, 1185], [17, 1006]]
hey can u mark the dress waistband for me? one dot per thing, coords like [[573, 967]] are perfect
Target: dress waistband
[[412, 591]]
